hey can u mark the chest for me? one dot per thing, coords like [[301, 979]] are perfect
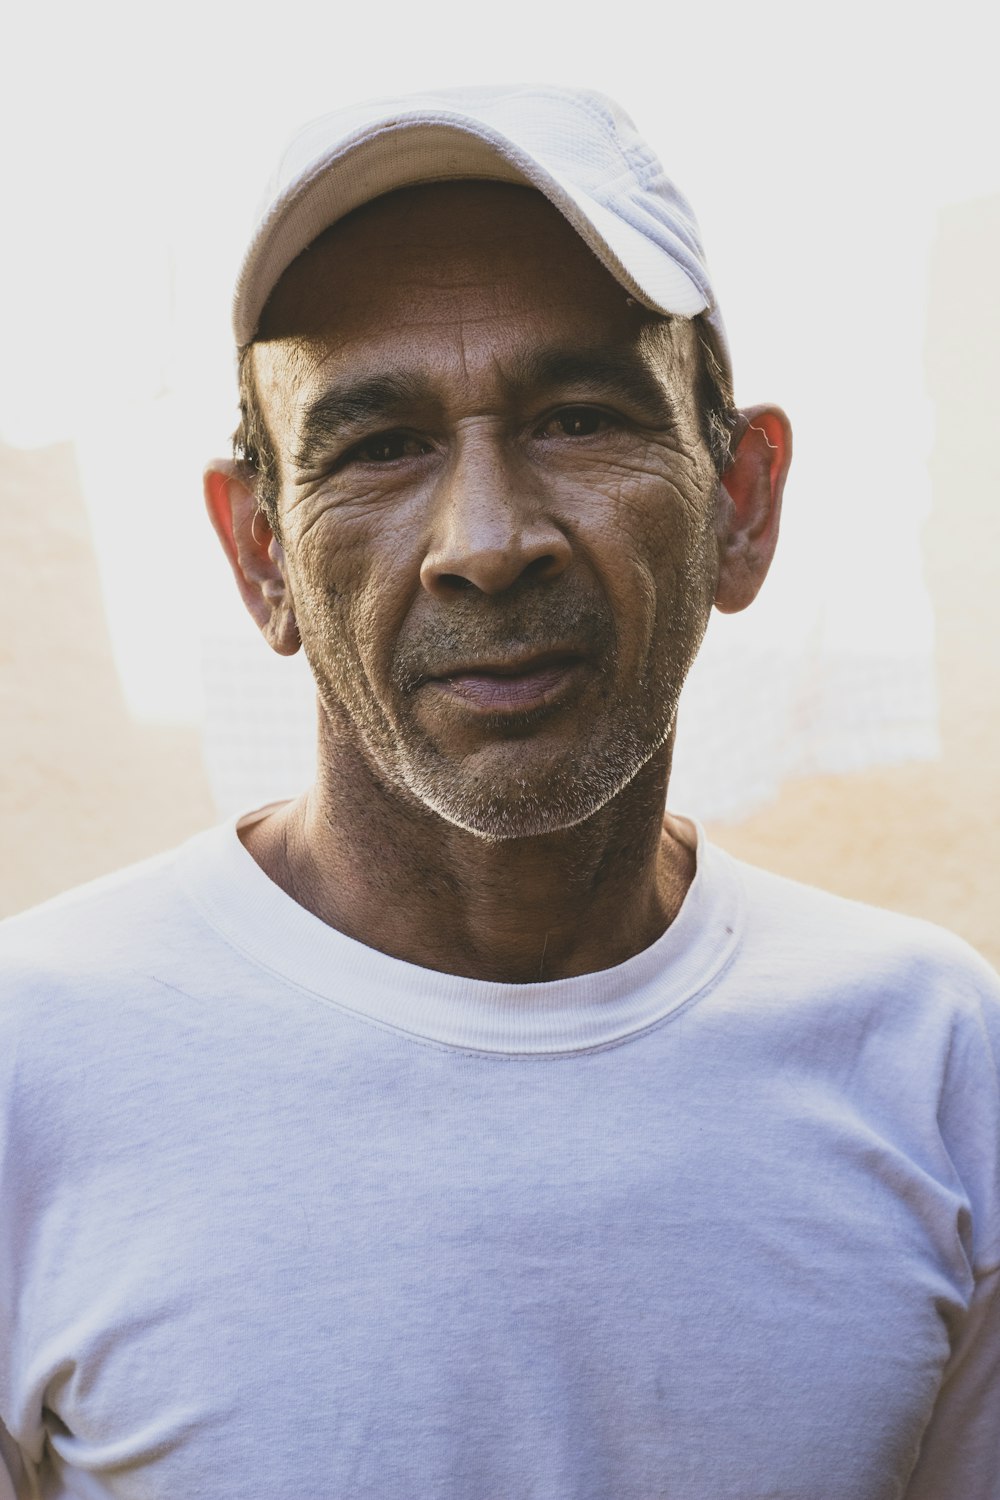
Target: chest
[[429, 1288]]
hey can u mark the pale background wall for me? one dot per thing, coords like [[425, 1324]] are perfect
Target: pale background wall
[[84, 788], [926, 838]]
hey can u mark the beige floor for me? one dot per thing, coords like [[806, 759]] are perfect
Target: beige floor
[[83, 789]]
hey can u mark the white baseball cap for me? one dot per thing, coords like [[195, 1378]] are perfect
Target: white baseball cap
[[577, 147]]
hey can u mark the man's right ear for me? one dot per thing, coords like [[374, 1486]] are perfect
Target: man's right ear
[[254, 552]]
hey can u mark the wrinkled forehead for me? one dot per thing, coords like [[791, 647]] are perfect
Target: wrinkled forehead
[[446, 239], [470, 273]]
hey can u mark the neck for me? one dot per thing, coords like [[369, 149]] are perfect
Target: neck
[[383, 869]]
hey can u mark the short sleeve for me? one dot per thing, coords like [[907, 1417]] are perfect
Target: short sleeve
[[11, 1468], [969, 1105], [960, 1450]]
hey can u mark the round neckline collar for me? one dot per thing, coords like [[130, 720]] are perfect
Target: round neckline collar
[[597, 1009]]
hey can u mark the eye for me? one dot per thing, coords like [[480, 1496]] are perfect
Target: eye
[[388, 448], [576, 422]]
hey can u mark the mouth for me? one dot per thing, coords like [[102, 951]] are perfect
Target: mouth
[[518, 685]]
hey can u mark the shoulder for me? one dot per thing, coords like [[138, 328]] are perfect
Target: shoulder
[[68, 958], [104, 918], [887, 1016], [97, 988], [847, 970], [802, 926]]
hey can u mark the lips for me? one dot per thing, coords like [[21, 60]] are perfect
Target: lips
[[513, 686]]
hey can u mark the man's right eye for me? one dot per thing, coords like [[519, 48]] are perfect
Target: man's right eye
[[387, 448]]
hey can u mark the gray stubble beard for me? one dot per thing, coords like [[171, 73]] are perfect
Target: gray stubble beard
[[501, 808]]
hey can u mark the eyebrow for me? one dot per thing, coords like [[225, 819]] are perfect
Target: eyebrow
[[600, 371], [348, 405]]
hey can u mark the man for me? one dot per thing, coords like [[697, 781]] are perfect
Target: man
[[467, 1128]]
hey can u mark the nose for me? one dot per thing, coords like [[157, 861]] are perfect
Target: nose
[[491, 527]]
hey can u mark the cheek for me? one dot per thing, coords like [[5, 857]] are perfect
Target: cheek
[[648, 542], [351, 583], [653, 491]]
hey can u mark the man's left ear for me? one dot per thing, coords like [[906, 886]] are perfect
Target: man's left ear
[[750, 505]]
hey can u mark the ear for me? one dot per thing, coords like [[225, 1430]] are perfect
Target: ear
[[254, 552], [750, 505]]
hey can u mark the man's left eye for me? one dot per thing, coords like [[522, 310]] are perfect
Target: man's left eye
[[575, 421]]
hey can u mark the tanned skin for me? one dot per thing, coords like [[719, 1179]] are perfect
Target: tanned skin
[[499, 538]]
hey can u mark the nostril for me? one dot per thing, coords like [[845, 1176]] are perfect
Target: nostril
[[540, 567], [453, 569]]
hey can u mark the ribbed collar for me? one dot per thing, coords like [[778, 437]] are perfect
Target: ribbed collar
[[559, 1016]]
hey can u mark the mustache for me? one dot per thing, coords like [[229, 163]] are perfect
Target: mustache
[[491, 629]]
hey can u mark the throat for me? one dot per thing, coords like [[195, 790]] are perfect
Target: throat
[[521, 911]]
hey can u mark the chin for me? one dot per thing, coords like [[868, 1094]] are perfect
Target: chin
[[506, 805]]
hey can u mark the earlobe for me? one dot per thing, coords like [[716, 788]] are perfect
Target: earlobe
[[750, 494], [254, 554]]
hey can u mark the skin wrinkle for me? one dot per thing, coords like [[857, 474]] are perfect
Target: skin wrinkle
[[494, 802], [480, 638], [717, 417], [327, 422], [498, 530]]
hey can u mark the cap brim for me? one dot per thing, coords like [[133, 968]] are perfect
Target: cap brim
[[422, 148]]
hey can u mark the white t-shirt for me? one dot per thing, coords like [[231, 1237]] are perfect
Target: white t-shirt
[[283, 1216]]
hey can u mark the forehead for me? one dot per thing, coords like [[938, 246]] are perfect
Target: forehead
[[434, 243], [466, 275]]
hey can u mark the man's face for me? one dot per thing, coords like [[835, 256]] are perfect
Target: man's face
[[497, 508]]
